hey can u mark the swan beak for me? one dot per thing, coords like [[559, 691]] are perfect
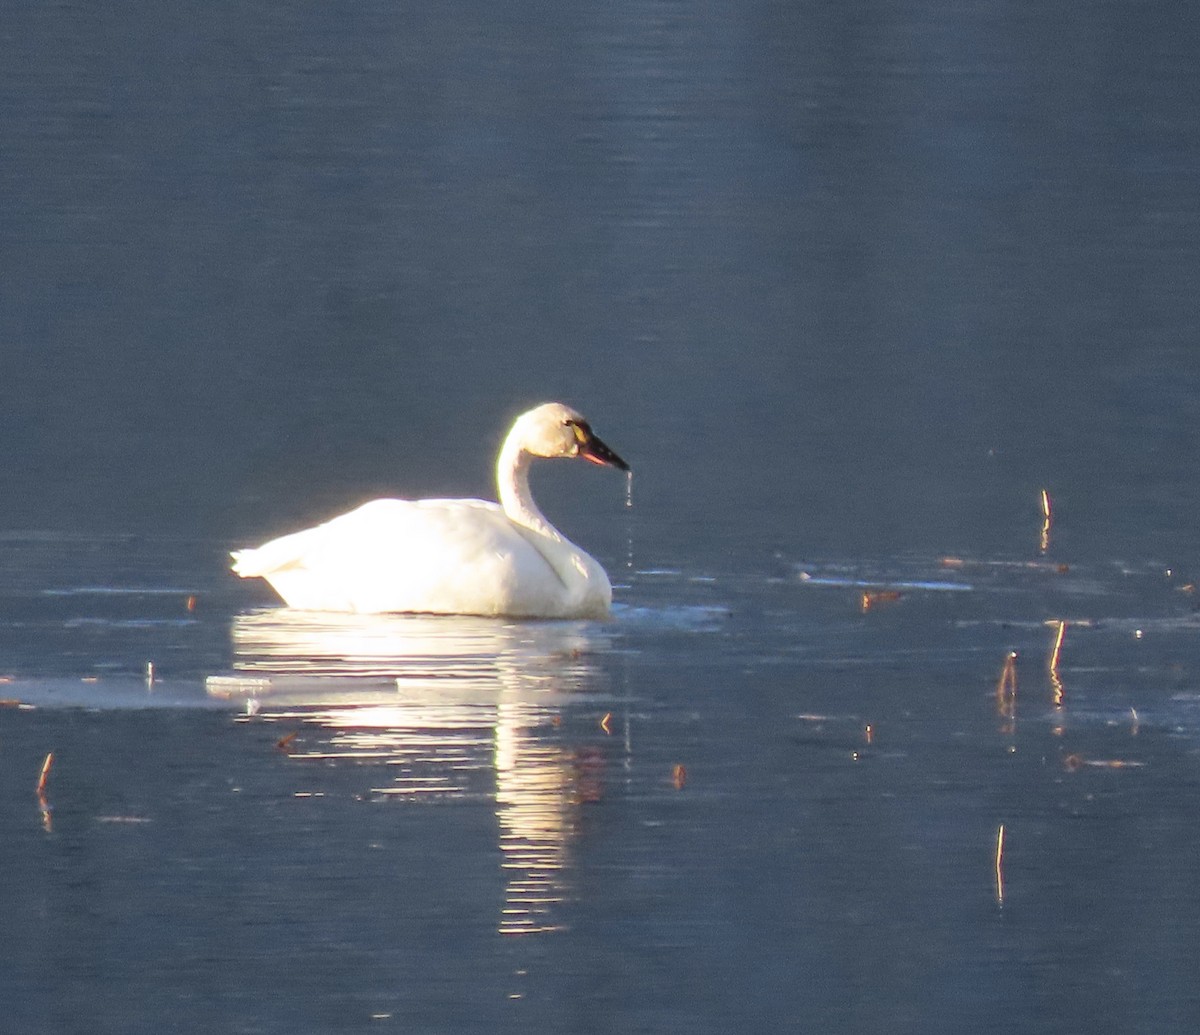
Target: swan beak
[[596, 452]]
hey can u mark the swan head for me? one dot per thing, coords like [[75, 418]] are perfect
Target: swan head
[[555, 430]]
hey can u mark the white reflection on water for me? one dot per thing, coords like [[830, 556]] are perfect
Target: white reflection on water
[[448, 704]]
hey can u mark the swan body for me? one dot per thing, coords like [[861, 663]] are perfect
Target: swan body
[[451, 556]]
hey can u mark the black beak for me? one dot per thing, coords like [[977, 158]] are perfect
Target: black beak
[[596, 452]]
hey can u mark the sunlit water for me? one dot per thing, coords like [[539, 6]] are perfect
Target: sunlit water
[[778, 790]]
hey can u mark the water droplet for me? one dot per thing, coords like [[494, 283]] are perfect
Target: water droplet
[[629, 521]]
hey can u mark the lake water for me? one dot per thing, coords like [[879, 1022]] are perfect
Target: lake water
[[869, 741]]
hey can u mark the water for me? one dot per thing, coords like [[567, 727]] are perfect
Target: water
[[848, 292], [470, 825]]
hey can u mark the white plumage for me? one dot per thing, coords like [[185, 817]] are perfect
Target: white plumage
[[451, 556]]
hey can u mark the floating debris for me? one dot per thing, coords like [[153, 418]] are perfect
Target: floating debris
[[605, 723], [679, 776], [873, 597]]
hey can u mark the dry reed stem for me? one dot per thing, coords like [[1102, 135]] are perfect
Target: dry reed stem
[[1055, 679], [1000, 865], [41, 784], [1046, 514], [1058, 642]]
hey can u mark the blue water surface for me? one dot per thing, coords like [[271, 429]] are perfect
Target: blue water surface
[[877, 737]]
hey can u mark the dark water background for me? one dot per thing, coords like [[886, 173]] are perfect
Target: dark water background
[[848, 286]]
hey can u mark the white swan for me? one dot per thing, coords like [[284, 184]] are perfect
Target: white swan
[[451, 556]]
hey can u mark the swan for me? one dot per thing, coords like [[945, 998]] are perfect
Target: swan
[[451, 556]]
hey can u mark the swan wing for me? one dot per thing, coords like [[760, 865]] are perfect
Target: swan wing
[[440, 556]]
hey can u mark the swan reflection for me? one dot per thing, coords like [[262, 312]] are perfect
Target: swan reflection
[[454, 707]]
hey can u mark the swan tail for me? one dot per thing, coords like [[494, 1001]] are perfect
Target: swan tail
[[277, 555], [244, 564]]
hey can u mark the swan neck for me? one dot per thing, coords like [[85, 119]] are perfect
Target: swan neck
[[512, 479]]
